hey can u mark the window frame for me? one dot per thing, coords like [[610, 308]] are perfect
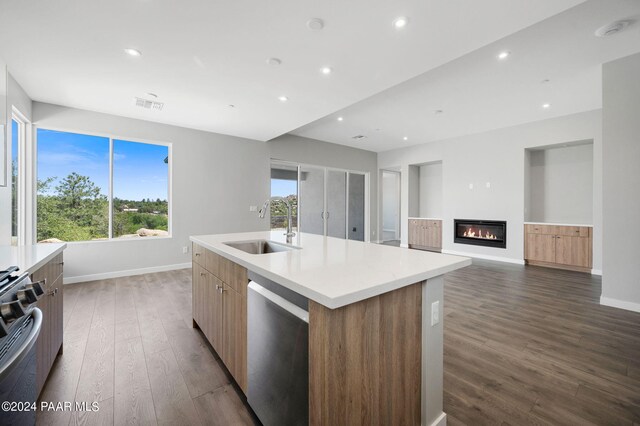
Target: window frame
[[112, 137], [22, 181]]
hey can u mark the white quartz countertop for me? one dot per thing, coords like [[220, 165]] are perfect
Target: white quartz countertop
[[332, 271], [29, 258], [424, 218]]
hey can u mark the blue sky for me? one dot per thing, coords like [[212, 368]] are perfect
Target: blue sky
[[283, 187], [139, 170]]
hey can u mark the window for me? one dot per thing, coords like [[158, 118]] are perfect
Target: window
[[97, 188], [16, 132], [284, 183]]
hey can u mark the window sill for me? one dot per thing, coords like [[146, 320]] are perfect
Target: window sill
[[111, 240]]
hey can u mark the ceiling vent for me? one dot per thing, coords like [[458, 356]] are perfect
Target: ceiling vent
[[147, 104], [612, 28], [358, 137]]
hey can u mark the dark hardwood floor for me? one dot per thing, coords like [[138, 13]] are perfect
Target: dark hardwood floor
[[532, 345], [523, 345]]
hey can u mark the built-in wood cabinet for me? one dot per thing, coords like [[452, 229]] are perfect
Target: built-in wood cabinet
[[49, 343], [220, 308], [558, 246], [425, 234]]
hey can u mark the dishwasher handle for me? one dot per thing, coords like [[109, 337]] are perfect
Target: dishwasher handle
[[280, 301]]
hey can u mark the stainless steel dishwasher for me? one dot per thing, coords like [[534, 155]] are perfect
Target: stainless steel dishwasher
[[277, 353]]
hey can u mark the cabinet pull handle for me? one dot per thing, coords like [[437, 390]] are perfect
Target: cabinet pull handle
[[197, 254], [62, 263], [202, 274]]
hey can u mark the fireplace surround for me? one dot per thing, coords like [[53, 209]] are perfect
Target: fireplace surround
[[488, 233]]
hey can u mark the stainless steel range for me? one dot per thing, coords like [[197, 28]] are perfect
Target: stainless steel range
[[20, 322]]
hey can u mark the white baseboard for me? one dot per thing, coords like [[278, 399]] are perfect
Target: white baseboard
[[485, 257], [596, 272], [440, 421], [622, 304], [127, 273], [404, 245]]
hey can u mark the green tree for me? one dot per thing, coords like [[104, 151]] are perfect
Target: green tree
[[76, 211]]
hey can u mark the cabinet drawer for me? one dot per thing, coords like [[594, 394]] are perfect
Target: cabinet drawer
[[541, 229], [573, 231], [197, 254], [234, 275]]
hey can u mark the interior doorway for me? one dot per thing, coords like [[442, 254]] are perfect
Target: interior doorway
[[390, 201]]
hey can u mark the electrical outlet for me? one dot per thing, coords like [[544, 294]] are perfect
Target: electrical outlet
[[435, 313], [488, 184], [253, 208], [185, 249], [470, 186]]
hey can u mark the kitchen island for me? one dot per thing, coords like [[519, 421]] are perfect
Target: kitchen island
[[375, 320]]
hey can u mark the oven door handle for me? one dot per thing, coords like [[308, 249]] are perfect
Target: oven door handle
[[18, 355]]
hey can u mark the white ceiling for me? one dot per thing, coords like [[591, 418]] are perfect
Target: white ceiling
[[202, 55], [477, 92]]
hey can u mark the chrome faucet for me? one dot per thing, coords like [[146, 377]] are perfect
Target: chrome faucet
[[263, 211]]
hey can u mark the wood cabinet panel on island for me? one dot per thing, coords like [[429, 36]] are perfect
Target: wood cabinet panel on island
[[559, 246], [220, 308], [51, 303]]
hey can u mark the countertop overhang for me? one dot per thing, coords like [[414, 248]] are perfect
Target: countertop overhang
[[332, 271], [29, 258]]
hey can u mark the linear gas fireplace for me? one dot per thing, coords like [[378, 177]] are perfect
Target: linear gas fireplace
[[489, 233]]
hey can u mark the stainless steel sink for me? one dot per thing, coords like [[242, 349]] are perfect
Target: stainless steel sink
[[259, 246]]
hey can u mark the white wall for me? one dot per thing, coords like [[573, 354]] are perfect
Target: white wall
[[431, 190], [390, 205], [16, 96], [561, 185], [215, 179], [497, 157], [311, 151], [621, 183]]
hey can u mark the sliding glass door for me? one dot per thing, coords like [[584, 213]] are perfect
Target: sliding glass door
[[311, 204], [330, 201]]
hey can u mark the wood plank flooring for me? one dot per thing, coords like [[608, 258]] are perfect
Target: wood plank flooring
[[532, 345], [129, 345], [523, 345]]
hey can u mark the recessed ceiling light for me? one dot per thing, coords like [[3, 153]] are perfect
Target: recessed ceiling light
[[132, 52], [274, 62], [283, 98], [405, 138], [153, 95], [504, 55], [438, 111], [315, 24], [612, 28], [546, 106], [326, 70], [545, 81], [340, 118], [231, 106], [400, 22]]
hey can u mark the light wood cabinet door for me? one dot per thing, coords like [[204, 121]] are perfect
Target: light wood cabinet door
[[43, 344], [56, 317], [51, 303], [215, 313], [573, 251], [541, 247], [413, 232], [200, 294], [234, 353]]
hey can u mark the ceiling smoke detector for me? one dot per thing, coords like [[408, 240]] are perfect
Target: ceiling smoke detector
[[315, 24], [148, 104], [358, 137], [612, 28]]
